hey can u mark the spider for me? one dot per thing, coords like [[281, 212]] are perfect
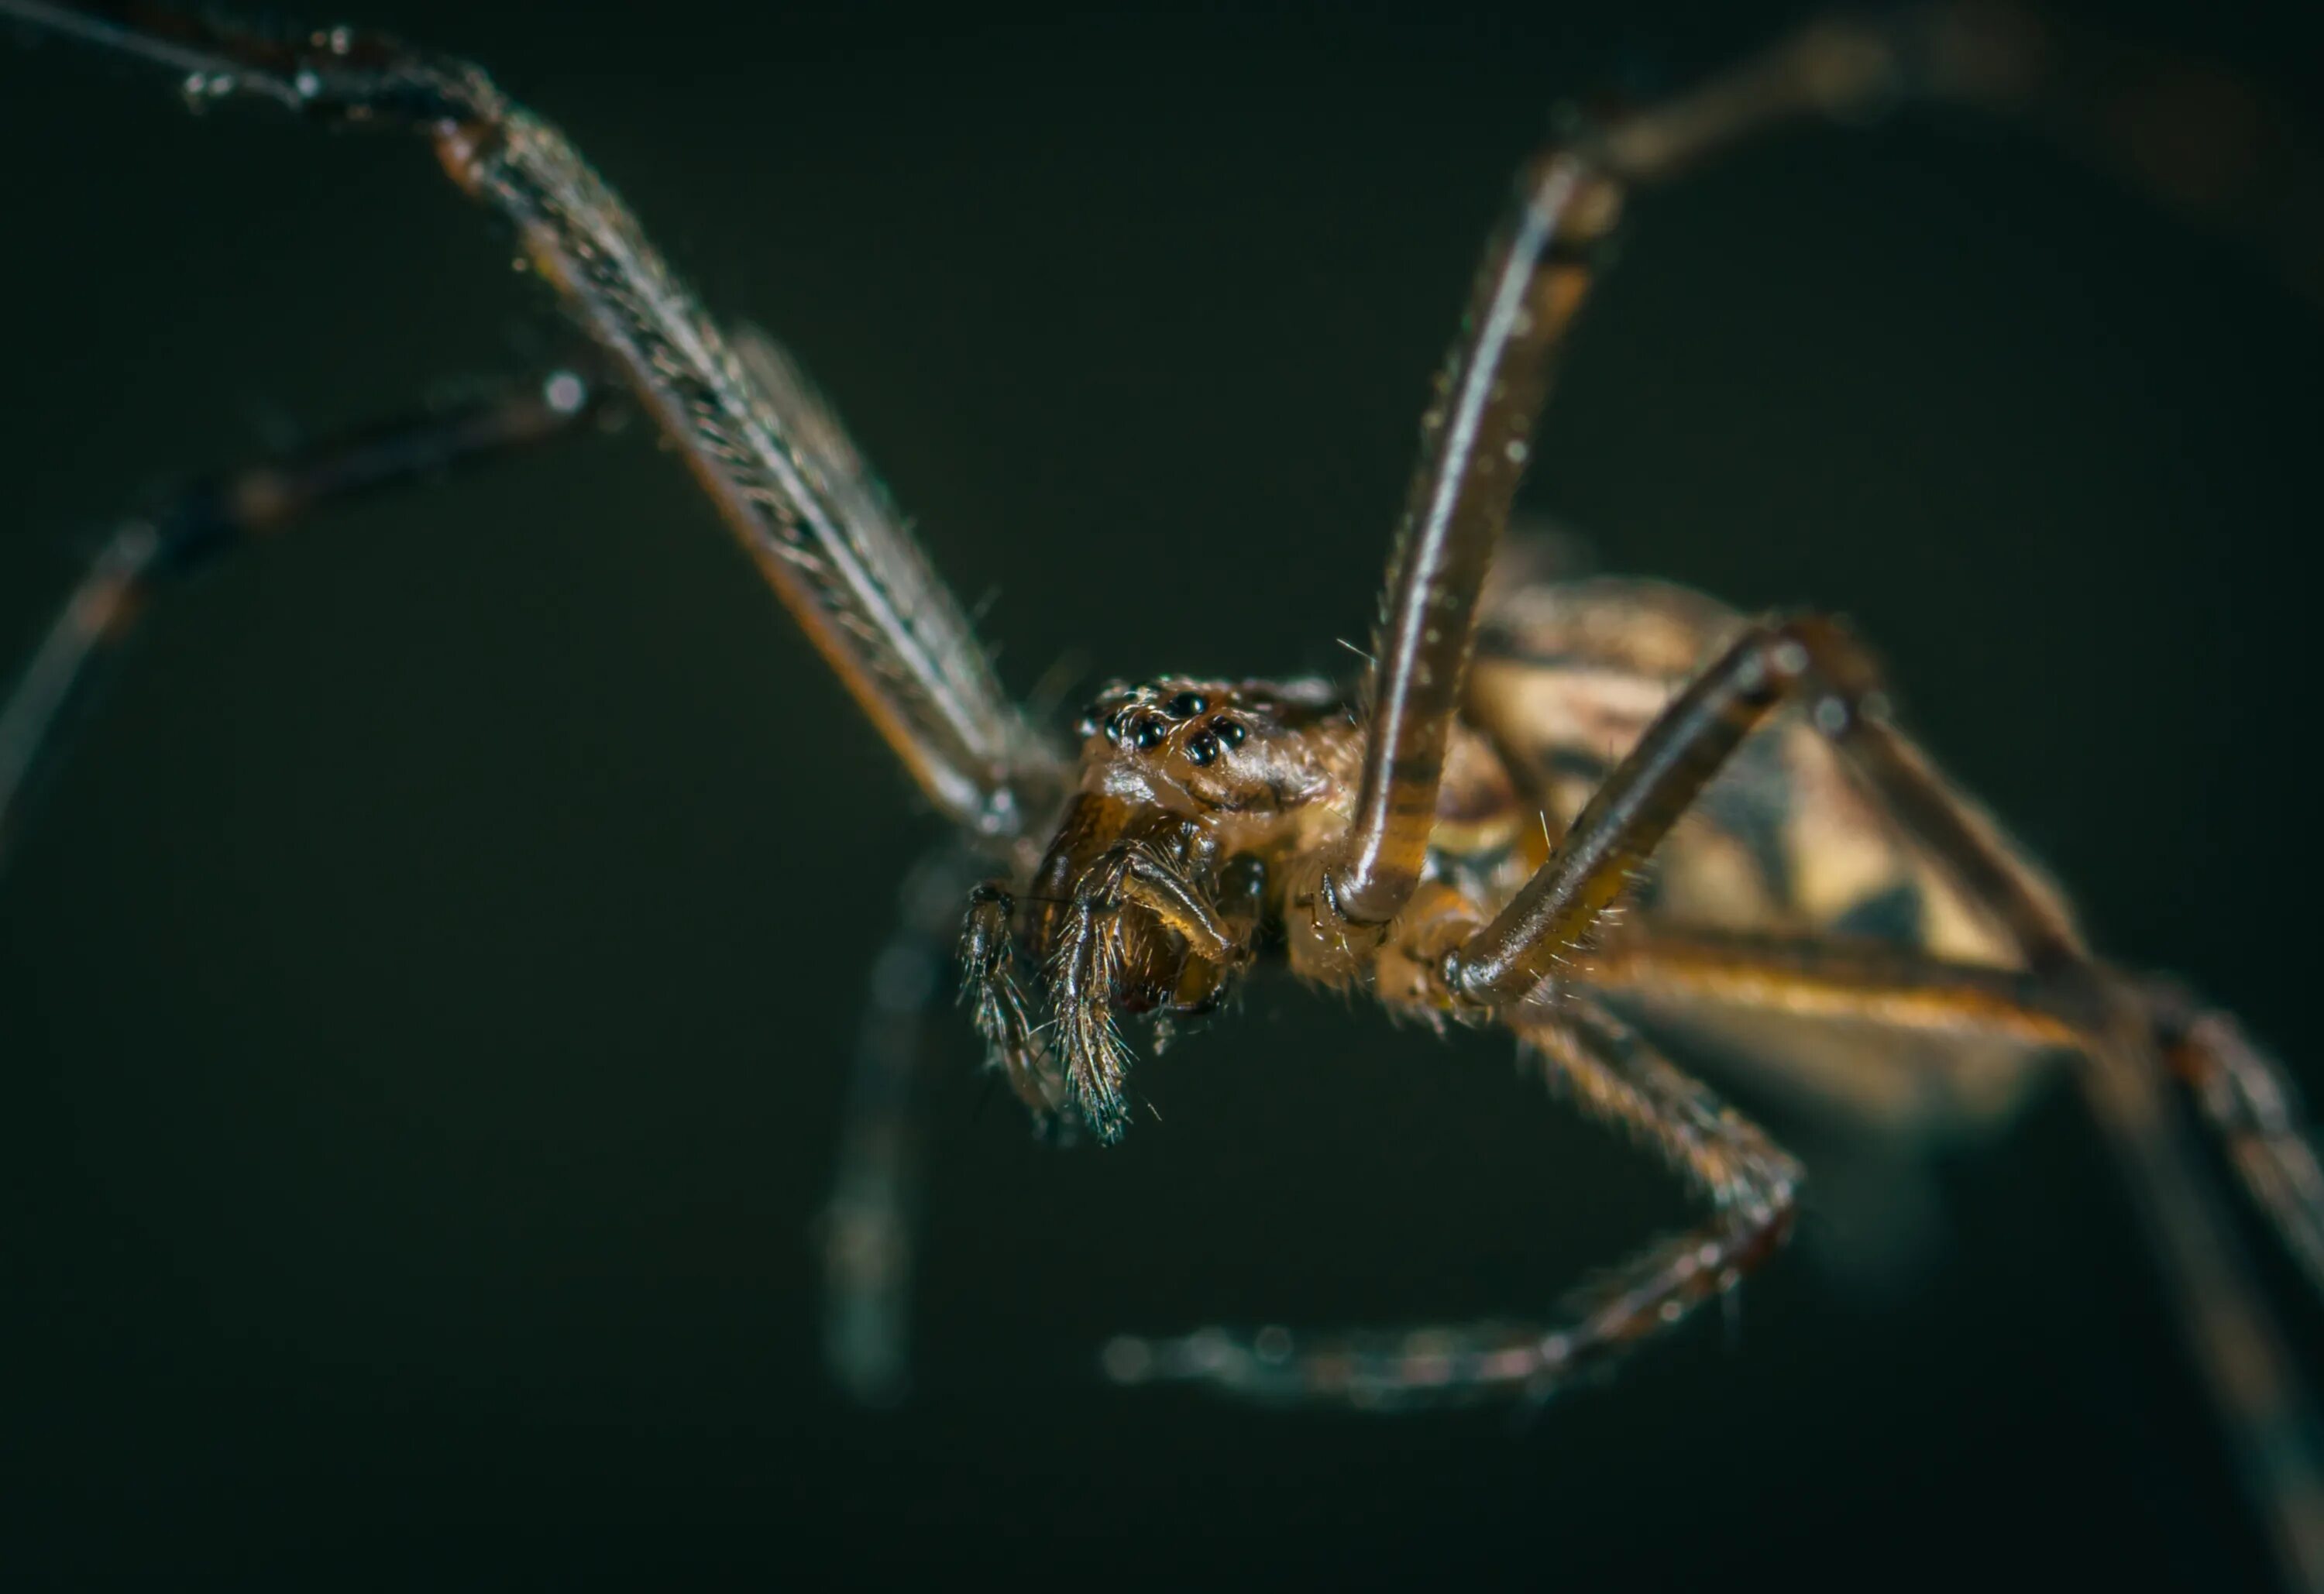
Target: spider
[[1458, 837]]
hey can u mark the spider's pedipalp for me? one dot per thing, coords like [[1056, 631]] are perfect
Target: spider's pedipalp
[[987, 959]]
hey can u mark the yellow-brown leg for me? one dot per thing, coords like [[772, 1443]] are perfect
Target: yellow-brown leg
[[2130, 1034], [2099, 98], [1612, 1074], [2244, 1093], [1516, 962]]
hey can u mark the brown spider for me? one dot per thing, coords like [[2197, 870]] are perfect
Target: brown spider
[[1462, 838]]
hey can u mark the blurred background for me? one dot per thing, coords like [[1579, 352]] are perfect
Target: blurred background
[[425, 991]]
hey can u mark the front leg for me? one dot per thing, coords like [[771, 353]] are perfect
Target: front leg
[[2105, 101], [1473, 450], [765, 450]]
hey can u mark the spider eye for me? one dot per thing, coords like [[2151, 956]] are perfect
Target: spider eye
[[1202, 746], [1149, 734], [1231, 731], [1186, 706]]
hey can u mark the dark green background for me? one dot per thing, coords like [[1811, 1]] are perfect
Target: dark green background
[[424, 997]]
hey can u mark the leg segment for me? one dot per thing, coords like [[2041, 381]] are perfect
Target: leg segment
[[198, 526], [1545, 925], [1474, 441], [2253, 1382], [2254, 1385], [2251, 1377], [871, 1223], [1750, 1182], [1627, 818], [2090, 95], [762, 443], [1866, 981], [2253, 1108], [2243, 1094]]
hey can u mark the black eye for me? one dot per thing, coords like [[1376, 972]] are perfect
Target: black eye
[[1202, 746], [1115, 724], [1149, 734], [1186, 706], [1231, 731]]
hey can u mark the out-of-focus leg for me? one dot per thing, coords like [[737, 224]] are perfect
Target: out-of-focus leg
[[871, 1223], [147, 553]]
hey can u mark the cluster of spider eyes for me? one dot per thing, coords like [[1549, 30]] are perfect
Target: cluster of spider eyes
[[1146, 728]]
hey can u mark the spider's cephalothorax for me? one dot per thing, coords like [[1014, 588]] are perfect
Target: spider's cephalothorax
[[1196, 836], [1191, 795]]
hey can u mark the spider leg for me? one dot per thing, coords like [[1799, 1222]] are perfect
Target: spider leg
[[2254, 1385], [1475, 442], [2235, 1341], [769, 455], [1826, 978], [149, 552], [2115, 104], [1751, 1184], [2244, 1094], [2253, 1382], [1545, 925], [2255, 1110], [871, 1223]]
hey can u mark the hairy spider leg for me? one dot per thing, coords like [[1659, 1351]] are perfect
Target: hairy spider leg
[[815, 522], [2095, 96]]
